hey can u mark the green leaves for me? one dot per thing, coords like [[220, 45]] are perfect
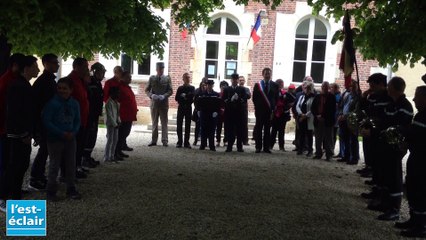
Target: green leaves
[[389, 31], [83, 27]]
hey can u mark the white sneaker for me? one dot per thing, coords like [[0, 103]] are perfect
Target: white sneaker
[[3, 206]]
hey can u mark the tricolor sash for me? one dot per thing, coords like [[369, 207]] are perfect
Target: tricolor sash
[[263, 94]]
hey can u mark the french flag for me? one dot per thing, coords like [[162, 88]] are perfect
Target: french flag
[[256, 31], [184, 32]]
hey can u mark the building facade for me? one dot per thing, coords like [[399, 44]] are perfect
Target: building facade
[[294, 43]]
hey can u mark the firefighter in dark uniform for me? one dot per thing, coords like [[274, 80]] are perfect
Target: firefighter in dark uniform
[[399, 114], [234, 97], [416, 171], [208, 105], [95, 95], [185, 97], [373, 105]]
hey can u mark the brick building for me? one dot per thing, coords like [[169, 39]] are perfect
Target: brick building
[[294, 43]]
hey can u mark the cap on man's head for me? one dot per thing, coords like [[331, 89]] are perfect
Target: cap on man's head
[[377, 78], [209, 82], [160, 65], [97, 66], [291, 86], [235, 76]]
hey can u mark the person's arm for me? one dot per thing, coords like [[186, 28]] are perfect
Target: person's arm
[[248, 93], [110, 113], [178, 98], [243, 95], [309, 106], [148, 87], [405, 115], [190, 94], [299, 103], [169, 88], [256, 92], [77, 120], [106, 90], [47, 116]]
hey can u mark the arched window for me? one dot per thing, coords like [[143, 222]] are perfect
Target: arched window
[[309, 50], [222, 48]]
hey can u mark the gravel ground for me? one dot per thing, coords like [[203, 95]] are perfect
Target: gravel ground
[[169, 193]]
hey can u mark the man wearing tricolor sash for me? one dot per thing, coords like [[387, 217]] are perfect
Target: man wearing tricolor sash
[[265, 93]]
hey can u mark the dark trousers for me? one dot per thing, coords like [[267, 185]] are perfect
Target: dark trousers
[[377, 159], [323, 139], [278, 126], [342, 127], [3, 156], [15, 167], [392, 169], [263, 125], [4, 159], [184, 113], [92, 135], [234, 128], [367, 149], [306, 137], [123, 133], [62, 153], [297, 135], [197, 130], [415, 181], [208, 125], [351, 144], [38, 168], [81, 141], [390, 177], [245, 124], [219, 126]]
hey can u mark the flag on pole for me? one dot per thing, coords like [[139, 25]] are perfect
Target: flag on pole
[[256, 30], [184, 32], [347, 58]]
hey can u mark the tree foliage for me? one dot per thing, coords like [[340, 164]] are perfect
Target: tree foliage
[[84, 27], [389, 31]]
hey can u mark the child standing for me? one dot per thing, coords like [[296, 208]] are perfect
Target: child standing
[[61, 118], [112, 122]]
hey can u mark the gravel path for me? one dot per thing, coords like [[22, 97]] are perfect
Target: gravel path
[[169, 193]]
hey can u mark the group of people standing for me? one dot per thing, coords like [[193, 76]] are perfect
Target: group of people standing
[[62, 118], [228, 108], [389, 130]]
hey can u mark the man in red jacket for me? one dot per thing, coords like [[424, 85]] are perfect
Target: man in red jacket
[[79, 73], [128, 111]]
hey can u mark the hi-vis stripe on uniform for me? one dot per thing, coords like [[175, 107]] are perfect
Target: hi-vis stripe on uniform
[[419, 124], [396, 194], [381, 104], [400, 110]]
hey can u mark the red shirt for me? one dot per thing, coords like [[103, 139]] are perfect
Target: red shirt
[[5, 80], [113, 82], [80, 94], [128, 107], [279, 107]]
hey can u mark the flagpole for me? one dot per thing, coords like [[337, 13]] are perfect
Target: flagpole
[[357, 73]]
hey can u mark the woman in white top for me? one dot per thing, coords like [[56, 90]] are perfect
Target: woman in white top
[[306, 119]]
